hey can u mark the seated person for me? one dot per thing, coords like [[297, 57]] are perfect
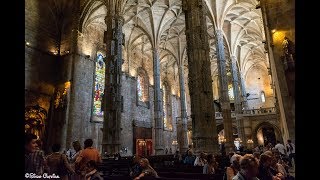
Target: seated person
[[248, 168], [136, 168], [147, 170], [189, 159]]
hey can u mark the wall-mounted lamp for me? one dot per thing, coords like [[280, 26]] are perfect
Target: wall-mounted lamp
[[273, 30], [27, 43]]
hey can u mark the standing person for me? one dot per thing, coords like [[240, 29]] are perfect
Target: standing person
[[265, 171], [147, 170], [200, 160], [92, 172], [189, 159], [87, 154], [291, 149], [58, 163], [211, 165], [38, 158], [248, 168], [234, 167], [77, 149], [30, 146], [280, 147]]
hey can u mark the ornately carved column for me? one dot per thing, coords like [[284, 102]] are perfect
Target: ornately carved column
[[237, 99], [183, 144], [224, 96], [159, 146], [243, 92], [112, 104], [204, 131]]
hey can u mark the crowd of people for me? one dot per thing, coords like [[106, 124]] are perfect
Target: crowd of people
[[79, 165], [262, 163]]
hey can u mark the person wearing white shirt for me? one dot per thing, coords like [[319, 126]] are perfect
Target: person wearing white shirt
[[200, 160], [280, 147]]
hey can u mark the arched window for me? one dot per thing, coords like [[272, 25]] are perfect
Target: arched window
[[165, 119], [99, 81], [140, 82], [230, 92], [142, 86], [263, 97]]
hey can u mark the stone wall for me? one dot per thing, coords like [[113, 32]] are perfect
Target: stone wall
[[279, 21], [81, 108]]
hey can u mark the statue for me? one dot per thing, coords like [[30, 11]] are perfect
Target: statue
[[288, 53]]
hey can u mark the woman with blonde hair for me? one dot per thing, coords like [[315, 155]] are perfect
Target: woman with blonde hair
[[147, 170]]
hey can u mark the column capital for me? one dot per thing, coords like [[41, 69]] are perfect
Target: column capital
[[219, 32], [117, 17]]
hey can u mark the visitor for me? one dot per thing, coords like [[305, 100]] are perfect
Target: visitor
[[77, 149], [257, 156], [58, 163], [38, 158], [265, 172], [200, 160], [136, 169], [234, 168], [87, 154], [177, 156], [210, 166], [92, 172], [280, 147], [276, 167], [30, 146], [189, 159], [248, 168], [291, 149], [147, 170]]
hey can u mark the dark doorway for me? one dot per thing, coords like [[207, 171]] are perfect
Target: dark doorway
[[269, 135]]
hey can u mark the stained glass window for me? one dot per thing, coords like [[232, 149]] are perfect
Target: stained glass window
[[139, 88], [263, 97], [165, 119], [99, 86], [230, 92]]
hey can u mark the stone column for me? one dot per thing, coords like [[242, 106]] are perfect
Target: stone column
[[237, 99], [74, 56], [112, 104], [224, 96], [243, 92], [275, 48], [158, 114], [183, 144], [204, 131]]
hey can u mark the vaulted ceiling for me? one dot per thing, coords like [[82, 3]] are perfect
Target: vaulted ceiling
[[160, 24]]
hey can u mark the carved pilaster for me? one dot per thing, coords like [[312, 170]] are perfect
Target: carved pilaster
[[157, 104], [183, 144], [224, 96], [204, 133], [237, 98], [112, 104]]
